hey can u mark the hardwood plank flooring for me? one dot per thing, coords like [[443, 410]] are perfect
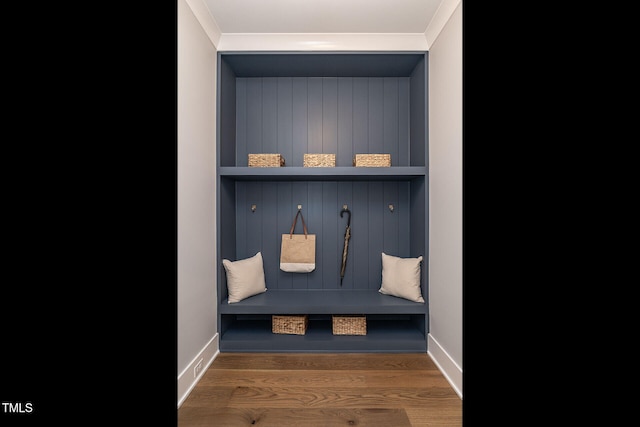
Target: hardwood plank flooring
[[321, 390]]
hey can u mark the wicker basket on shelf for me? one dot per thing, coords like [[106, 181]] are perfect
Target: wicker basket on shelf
[[372, 160], [349, 325], [319, 160], [266, 160], [294, 325]]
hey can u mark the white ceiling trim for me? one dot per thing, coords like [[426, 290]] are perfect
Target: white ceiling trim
[[207, 21], [440, 19], [322, 42]]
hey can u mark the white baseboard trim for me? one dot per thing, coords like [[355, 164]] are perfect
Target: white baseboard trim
[[450, 369], [187, 379]]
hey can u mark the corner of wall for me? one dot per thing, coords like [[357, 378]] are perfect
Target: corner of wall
[[206, 20], [188, 378], [451, 371], [442, 15]]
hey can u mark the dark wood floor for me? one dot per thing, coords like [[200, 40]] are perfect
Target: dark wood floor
[[322, 390]]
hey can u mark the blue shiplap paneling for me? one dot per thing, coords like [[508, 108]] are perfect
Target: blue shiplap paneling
[[376, 207], [314, 102], [299, 122], [344, 151], [285, 217], [270, 115], [376, 118], [403, 123], [330, 268], [391, 220], [270, 241], [390, 118], [329, 115], [360, 115], [253, 107], [241, 123], [359, 252], [285, 118], [342, 116]]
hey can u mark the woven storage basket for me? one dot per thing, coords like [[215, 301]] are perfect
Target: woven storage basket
[[319, 160], [266, 160], [372, 160], [349, 325], [295, 325]]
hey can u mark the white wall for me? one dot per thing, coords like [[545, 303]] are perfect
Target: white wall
[[196, 199], [445, 191]]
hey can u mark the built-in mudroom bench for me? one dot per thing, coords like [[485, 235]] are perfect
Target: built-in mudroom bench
[[345, 104]]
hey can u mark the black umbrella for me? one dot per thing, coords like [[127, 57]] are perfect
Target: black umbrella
[[347, 236]]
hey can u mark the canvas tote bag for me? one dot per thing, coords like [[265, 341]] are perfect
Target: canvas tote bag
[[298, 251]]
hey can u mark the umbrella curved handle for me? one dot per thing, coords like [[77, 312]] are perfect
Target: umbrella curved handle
[[347, 211]]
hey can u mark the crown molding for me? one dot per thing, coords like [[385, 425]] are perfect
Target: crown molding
[[440, 19], [322, 42], [207, 21]]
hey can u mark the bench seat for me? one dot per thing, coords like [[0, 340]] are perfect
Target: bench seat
[[322, 301]]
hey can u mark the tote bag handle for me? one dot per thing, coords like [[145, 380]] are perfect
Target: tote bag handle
[[293, 226]]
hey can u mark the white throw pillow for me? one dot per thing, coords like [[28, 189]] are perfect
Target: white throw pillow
[[245, 277], [401, 277]]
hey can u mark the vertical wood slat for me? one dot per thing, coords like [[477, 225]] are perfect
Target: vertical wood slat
[[300, 124], [313, 214], [344, 153], [390, 124], [376, 112], [360, 115], [314, 102], [285, 118], [269, 115], [285, 199], [375, 246], [253, 108], [329, 115], [241, 122]]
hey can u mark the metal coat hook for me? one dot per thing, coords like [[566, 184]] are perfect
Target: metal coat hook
[[253, 208], [391, 208], [299, 207]]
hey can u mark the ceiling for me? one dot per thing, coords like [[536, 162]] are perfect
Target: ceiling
[[322, 16]]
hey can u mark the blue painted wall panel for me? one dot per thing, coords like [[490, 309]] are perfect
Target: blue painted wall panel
[[360, 115], [328, 241], [253, 107], [344, 153], [285, 118], [269, 115], [329, 115], [376, 112], [375, 229], [390, 131], [403, 123], [241, 123], [314, 102], [285, 218], [299, 122]]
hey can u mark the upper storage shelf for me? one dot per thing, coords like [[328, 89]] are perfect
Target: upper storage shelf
[[343, 173], [322, 102]]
